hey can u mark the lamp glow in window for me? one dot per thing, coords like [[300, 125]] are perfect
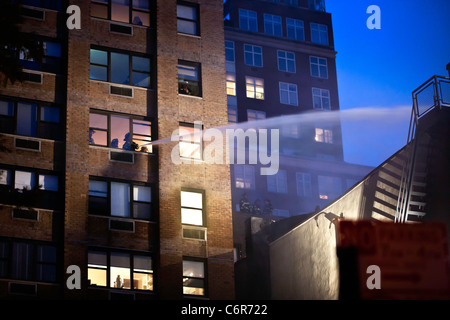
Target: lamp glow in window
[[231, 84], [24, 180], [97, 268], [255, 88], [142, 273], [120, 271], [192, 208], [190, 142], [324, 135], [193, 277]]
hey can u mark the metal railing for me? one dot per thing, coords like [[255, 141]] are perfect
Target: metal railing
[[433, 93]]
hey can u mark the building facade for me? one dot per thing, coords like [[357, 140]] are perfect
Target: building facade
[[280, 62], [81, 183]]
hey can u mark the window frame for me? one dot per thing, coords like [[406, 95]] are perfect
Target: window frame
[[318, 64], [132, 213], [326, 136], [196, 83], [293, 25], [278, 182], [248, 17], [39, 122], [131, 8], [192, 140], [204, 279], [305, 190], [131, 118], [34, 262], [203, 209], [321, 96], [41, 65], [257, 113], [250, 49], [274, 21], [196, 21], [254, 86], [231, 49], [232, 111], [287, 59], [131, 268], [108, 66], [280, 83], [246, 174], [316, 28]]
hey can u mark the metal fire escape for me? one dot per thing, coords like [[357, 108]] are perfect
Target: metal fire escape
[[432, 95]]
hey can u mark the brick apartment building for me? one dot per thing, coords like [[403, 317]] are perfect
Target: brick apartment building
[[80, 185], [281, 61]]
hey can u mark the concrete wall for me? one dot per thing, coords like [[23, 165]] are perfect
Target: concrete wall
[[304, 263]]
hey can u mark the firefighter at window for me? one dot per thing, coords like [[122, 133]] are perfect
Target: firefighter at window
[[256, 209], [244, 204]]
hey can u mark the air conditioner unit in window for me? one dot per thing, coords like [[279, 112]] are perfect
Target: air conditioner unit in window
[[119, 28], [121, 156], [196, 233], [121, 91], [32, 77], [27, 144], [25, 214], [121, 225]]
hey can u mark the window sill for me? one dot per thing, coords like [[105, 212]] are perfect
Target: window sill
[[189, 35], [121, 150], [121, 23], [122, 218], [30, 137], [190, 96], [120, 85]]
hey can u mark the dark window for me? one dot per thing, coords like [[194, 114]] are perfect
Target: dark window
[[135, 12], [51, 60], [47, 4], [120, 270], [24, 187], [189, 78], [132, 133], [27, 261], [30, 119], [120, 199], [120, 68], [187, 18]]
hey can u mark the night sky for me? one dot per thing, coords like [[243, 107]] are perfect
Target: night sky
[[380, 68]]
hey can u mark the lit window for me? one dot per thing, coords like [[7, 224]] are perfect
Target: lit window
[[248, 20], [272, 25], [253, 115], [303, 184], [135, 12], [194, 278], [254, 88], [319, 33], [189, 78], [288, 94], [321, 99], [253, 55], [190, 141], [192, 211], [329, 187], [286, 61], [126, 132], [126, 270], [24, 180], [295, 29], [244, 176], [187, 19], [319, 67], [324, 135], [277, 182], [48, 182], [231, 84]]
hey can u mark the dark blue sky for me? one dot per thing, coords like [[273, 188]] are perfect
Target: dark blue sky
[[380, 68]]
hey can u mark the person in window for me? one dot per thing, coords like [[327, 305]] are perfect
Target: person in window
[[137, 21], [91, 133], [115, 143], [119, 283], [256, 209], [244, 204], [184, 89]]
